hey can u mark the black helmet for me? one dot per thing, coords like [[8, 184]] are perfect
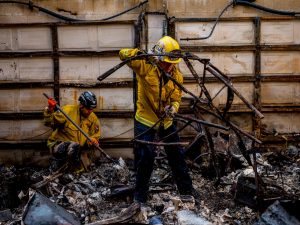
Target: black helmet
[[88, 99]]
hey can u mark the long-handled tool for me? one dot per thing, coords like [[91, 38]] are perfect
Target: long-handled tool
[[79, 128]]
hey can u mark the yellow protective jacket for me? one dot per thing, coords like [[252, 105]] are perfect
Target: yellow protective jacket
[[148, 79], [64, 130]]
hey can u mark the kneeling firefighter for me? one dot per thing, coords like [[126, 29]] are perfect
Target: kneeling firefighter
[[66, 142]]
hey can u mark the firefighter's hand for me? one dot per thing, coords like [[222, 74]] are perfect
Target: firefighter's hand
[[93, 142], [170, 110], [51, 104]]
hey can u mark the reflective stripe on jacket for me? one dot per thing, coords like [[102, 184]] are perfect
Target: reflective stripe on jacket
[[64, 130], [148, 78]]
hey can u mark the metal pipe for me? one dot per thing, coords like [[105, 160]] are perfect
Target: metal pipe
[[205, 123]]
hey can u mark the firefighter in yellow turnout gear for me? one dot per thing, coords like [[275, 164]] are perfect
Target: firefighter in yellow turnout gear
[[157, 96], [66, 142]]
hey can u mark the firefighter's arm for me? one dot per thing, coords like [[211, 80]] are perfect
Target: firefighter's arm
[[139, 66], [53, 119], [95, 133]]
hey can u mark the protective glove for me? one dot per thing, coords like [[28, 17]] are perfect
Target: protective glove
[[93, 142], [51, 104], [170, 110]]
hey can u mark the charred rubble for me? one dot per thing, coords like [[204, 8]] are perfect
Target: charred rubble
[[104, 195]]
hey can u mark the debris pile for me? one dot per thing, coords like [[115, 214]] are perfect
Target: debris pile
[[104, 195]]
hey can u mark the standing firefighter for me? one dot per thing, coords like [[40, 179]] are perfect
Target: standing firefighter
[[157, 96], [66, 142]]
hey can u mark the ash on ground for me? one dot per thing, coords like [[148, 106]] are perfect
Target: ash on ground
[[107, 190]]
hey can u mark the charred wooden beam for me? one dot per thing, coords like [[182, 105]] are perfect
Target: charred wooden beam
[[281, 108], [57, 53], [243, 78], [280, 78], [237, 108], [210, 19], [39, 115], [47, 84], [41, 145], [113, 84], [19, 85], [55, 59], [220, 48], [161, 143], [257, 74], [61, 23], [227, 48], [271, 139]]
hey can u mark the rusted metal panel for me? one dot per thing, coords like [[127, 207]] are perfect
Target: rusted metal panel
[[23, 130], [7, 132], [117, 128], [226, 33], [242, 120], [108, 99], [85, 37], [116, 99], [6, 37], [28, 130], [24, 39], [95, 37], [33, 39], [232, 64], [15, 100], [246, 90], [280, 63], [280, 93], [8, 70], [26, 69], [87, 69], [282, 122], [16, 156], [280, 32], [118, 152], [115, 37]]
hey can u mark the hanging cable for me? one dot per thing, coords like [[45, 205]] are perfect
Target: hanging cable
[[243, 3], [263, 8], [31, 5], [213, 28]]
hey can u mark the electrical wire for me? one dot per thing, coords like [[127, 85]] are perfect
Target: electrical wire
[[213, 28], [243, 3], [31, 5], [263, 8]]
